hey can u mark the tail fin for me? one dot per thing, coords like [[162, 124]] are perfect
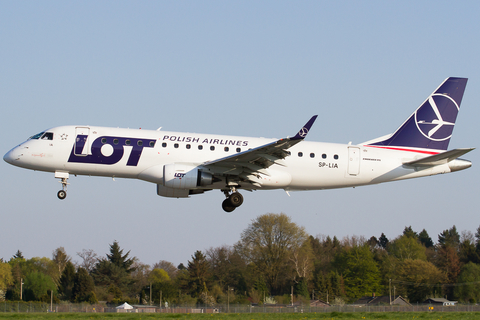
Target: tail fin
[[431, 125]]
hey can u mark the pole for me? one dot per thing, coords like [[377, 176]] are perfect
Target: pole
[[21, 288], [228, 299], [292, 296], [150, 294], [390, 289], [160, 300], [51, 300]]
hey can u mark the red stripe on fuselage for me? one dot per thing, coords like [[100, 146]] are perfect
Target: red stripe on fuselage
[[402, 149]]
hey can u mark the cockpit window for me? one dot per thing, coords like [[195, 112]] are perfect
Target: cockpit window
[[37, 136], [47, 136], [43, 136]]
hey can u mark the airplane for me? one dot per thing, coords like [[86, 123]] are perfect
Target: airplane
[[184, 164]]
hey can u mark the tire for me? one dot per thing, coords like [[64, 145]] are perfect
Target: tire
[[226, 206], [236, 199], [61, 194]]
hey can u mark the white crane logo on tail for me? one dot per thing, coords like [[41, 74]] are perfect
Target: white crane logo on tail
[[435, 128]]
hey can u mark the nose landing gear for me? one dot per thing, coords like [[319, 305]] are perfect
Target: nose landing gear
[[232, 201], [62, 194]]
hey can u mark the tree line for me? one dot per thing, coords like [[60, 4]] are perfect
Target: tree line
[[273, 257]]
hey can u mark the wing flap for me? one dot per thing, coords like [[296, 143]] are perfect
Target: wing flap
[[252, 162]]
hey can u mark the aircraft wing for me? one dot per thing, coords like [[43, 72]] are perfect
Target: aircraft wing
[[440, 158], [255, 159]]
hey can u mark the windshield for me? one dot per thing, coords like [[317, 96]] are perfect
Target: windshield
[[37, 136], [43, 136]]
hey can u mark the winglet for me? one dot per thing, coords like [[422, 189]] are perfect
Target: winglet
[[304, 131]]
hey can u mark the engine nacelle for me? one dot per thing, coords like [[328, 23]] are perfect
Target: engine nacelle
[[185, 176]]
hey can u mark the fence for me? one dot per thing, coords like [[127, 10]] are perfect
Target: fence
[[21, 306]]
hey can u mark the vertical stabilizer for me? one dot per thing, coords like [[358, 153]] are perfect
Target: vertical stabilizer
[[431, 125]]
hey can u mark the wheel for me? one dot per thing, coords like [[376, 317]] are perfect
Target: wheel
[[61, 194], [227, 206], [236, 199]]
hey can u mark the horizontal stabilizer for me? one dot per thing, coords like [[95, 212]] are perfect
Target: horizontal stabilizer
[[438, 159]]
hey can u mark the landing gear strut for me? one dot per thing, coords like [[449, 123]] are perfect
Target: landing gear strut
[[233, 200], [63, 176]]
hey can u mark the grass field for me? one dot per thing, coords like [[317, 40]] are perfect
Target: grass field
[[250, 316]]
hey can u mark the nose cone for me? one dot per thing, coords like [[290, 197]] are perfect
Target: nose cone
[[13, 156], [8, 157]]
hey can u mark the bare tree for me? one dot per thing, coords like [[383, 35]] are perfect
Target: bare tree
[[89, 259], [168, 267], [268, 243]]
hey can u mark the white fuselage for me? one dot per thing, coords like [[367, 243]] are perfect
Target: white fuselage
[[142, 154]]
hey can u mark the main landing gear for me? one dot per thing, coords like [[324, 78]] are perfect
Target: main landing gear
[[233, 200]]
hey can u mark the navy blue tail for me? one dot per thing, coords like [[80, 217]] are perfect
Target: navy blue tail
[[431, 125]]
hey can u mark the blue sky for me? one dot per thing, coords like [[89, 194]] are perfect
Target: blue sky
[[250, 68]]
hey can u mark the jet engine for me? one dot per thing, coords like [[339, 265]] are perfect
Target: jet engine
[[185, 176]]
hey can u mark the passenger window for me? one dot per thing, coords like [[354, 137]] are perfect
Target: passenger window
[[152, 144], [324, 156], [175, 145], [188, 146], [335, 157], [200, 147], [127, 142], [312, 155], [140, 143], [115, 141], [300, 154], [212, 148], [226, 149], [164, 144], [239, 149]]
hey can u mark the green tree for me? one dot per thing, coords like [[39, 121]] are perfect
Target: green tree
[[60, 258], [199, 274], [383, 241], [418, 279], [468, 289], [37, 287], [425, 239], [360, 272], [67, 280], [269, 242], [407, 247], [158, 275], [18, 255], [6, 279], [167, 266], [106, 273], [450, 238], [119, 259], [468, 252], [228, 268], [408, 232], [83, 287]]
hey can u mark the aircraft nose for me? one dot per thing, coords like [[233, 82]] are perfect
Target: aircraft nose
[[10, 156]]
